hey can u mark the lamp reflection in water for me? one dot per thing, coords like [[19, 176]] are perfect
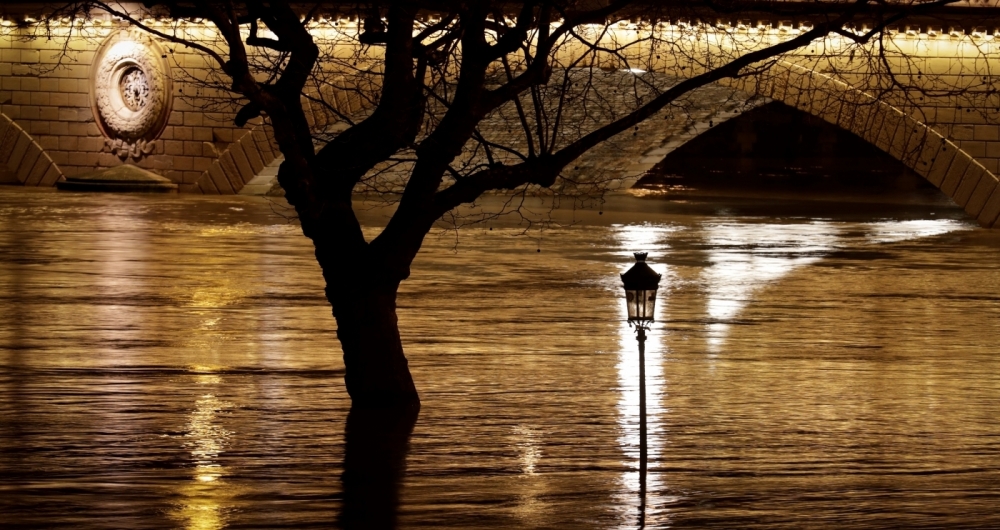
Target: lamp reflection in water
[[641, 283], [207, 498]]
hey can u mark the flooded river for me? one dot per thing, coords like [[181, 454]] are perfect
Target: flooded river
[[170, 362]]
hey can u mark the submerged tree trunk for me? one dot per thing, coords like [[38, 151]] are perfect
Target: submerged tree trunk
[[361, 286], [375, 445], [378, 375]]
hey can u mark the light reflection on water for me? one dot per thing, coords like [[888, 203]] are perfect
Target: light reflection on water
[[893, 231], [206, 498], [652, 239], [745, 257], [170, 362]]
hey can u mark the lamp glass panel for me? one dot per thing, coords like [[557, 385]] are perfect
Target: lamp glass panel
[[641, 304], [649, 304], [631, 299]]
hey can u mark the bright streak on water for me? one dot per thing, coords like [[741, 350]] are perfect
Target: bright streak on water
[[746, 257], [894, 231]]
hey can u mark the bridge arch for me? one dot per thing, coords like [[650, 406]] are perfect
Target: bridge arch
[[22, 160], [918, 146], [239, 164], [249, 164], [955, 172]]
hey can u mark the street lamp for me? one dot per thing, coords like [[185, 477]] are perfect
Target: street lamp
[[641, 283]]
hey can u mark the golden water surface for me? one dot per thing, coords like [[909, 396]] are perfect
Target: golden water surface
[[170, 362]]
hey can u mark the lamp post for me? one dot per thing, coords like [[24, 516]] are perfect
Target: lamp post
[[641, 283]]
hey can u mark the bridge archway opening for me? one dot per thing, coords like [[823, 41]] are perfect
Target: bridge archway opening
[[622, 160], [779, 159]]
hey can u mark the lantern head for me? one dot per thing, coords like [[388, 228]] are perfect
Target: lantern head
[[641, 283]]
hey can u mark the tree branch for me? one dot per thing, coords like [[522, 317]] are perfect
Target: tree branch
[[166, 36]]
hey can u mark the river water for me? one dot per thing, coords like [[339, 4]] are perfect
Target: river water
[[169, 362]]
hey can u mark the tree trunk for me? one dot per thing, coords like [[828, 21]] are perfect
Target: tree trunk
[[375, 448], [378, 375]]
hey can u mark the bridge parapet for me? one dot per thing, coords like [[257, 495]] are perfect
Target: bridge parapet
[[945, 95]]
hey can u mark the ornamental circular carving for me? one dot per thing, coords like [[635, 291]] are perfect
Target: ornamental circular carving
[[130, 90]]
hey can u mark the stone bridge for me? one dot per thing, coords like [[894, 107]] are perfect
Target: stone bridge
[[54, 122]]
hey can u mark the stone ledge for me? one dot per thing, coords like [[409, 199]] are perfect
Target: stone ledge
[[123, 178]]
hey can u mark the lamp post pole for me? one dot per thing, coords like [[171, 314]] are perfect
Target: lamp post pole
[[641, 337], [640, 283]]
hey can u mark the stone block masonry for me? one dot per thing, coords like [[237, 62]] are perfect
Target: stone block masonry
[[46, 96], [22, 160], [46, 92]]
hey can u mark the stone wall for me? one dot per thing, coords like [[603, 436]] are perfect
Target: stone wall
[[46, 91], [946, 76]]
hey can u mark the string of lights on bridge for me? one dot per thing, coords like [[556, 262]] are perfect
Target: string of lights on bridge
[[345, 23]]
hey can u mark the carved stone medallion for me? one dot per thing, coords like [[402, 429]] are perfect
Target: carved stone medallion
[[130, 93]]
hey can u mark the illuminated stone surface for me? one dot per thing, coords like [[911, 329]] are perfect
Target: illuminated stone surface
[[131, 93], [202, 151]]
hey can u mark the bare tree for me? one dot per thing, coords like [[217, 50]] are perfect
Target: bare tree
[[466, 99]]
